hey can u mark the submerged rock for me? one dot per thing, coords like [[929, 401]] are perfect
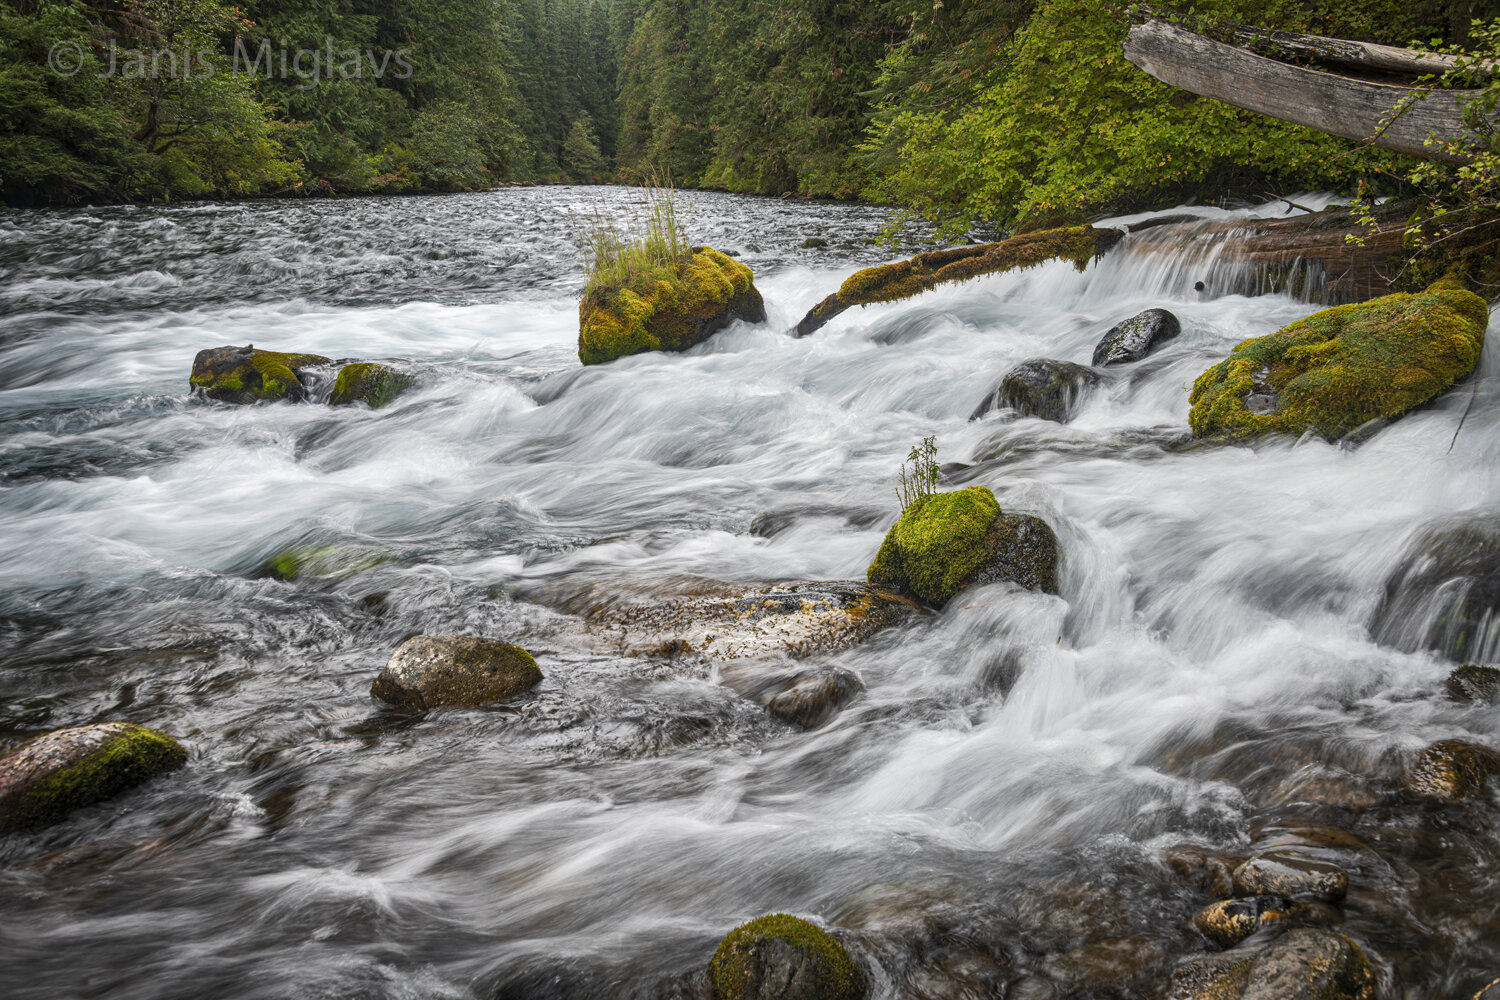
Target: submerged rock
[[1452, 770], [1290, 873], [1475, 683], [671, 311], [249, 375], [782, 957], [1218, 977], [1208, 872], [1445, 594], [947, 542], [323, 562], [45, 779], [1309, 964], [1137, 337], [369, 383], [1040, 388], [1344, 367], [813, 700], [430, 670]]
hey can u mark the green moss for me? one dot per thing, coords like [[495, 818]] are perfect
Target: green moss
[[323, 562], [660, 312], [734, 977], [368, 382], [1343, 367], [230, 376], [128, 758], [938, 546]]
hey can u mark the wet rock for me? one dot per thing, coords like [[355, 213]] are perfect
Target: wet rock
[[366, 382], [1208, 872], [1137, 337], [966, 974], [782, 957], [1445, 593], [430, 670], [1475, 683], [1490, 992], [1270, 832], [1107, 968], [45, 779], [249, 375], [1289, 873], [947, 542], [1218, 977], [814, 243], [1308, 964], [1230, 921], [672, 313], [323, 562], [1342, 368], [1451, 770], [812, 701], [1323, 787], [1040, 388]]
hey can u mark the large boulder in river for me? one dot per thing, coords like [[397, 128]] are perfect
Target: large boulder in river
[[782, 957], [42, 781], [430, 670], [1344, 367], [370, 383], [1445, 593], [1304, 964], [1450, 770], [249, 375], [670, 309], [947, 542], [1041, 388], [1137, 337]]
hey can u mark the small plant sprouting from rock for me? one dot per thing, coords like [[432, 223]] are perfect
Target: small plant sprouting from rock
[[648, 246], [919, 474]]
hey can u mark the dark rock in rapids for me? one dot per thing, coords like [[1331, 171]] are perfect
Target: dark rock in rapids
[[430, 670], [812, 700], [782, 957], [1137, 337], [45, 779], [1451, 770], [249, 375], [1476, 684], [1291, 873], [1041, 388], [1445, 593], [814, 243], [1208, 872]]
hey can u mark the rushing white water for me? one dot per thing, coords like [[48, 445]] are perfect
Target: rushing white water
[[596, 839]]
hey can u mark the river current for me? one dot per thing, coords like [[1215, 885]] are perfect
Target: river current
[[1000, 794]]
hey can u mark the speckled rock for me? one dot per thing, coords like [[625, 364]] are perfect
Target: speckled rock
[[1291, 873], [45, 779], [1451, 770], [1209, 872], [782, 957], [1041, 388], [430, 670], [1307, 964], [1137, 337], [1230, 921], [1217, 977], [1474, 683]]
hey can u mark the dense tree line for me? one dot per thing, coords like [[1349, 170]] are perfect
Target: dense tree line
[[1004, 111]]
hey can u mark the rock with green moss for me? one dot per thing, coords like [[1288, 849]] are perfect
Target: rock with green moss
[[250, 375], [947, 542], [42, 781], [323, 562], [426, 671], [1450, 770], [1342, 368], [672, 310], [782, 957], [1477, 684], [370, 383], [1137, 337]]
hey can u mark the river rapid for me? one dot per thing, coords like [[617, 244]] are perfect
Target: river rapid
[[999, 798]]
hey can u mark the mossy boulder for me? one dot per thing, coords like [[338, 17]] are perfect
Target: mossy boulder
[[1137, 337], [1450, 770], [1041, 388], [250, 375], [947, 542], [426, 671], [782, 957], [1474, 683], [1344, 367], [45, 779], [672, 310], [370, 383]]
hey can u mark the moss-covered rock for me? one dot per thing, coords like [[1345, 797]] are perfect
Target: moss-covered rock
[[1343, 367], [947, 542], [1307, 964], [906, 278], [323, 562], [430, 670], [249, 375], [667, 312], [370, 383], [1041, 388], [1137, 337], [1452, 769], [1475, 683], [43, 780], [782, 957]]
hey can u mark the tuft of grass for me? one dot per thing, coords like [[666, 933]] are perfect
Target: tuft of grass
[[646, 246], [922, 480]]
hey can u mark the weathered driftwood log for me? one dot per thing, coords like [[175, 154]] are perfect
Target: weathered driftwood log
[[1388, 115], [903, 279]]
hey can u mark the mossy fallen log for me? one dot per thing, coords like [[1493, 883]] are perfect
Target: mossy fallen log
[[906, 278]]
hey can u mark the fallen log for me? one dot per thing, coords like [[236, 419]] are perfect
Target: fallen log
[[1412, 120]]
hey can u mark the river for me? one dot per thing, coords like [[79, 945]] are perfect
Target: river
[[1000, 794]]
